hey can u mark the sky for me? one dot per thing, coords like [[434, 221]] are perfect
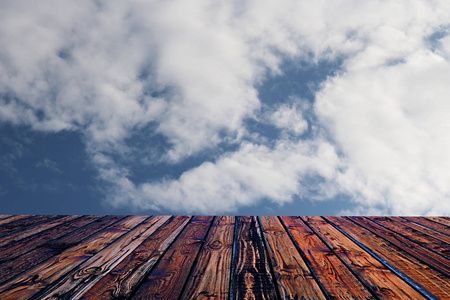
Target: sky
[[225, 107]]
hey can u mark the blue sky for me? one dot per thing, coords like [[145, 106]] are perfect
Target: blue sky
[[212, 107]]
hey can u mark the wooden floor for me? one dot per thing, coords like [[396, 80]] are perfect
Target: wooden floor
[[224, 257]]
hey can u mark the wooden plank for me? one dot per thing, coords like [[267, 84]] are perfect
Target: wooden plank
[[20, 224], [12, 218], [336, 279], [430, 279], [442, 220], [252, 278], [294, 279], [40, 277], [427, 256], [44, 233], [430, 222], [81, 278], [4, 216], [211, 275], [424, 236], [166, 281], [126, 276], [376, 277], [53, 247]]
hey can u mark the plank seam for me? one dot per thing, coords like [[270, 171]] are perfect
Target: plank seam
[[233, 260], [305, 259], [399, 273], [29, 226], [183, 289], [144, 277], [428, 226]]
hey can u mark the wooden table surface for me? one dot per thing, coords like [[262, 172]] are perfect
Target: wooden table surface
[[224, 257]]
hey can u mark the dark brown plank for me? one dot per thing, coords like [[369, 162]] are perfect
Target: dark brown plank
[[84, 276], [40, 277], [429, 257], [252, 278], [431, 280], [12, 218], [211, 275], [58, 228], [431, 239], [430, 222], [53, 247], [126, 276], [336, 278], [292, 275], [166, 281], [4, 216], [375, 276], [22, 223]]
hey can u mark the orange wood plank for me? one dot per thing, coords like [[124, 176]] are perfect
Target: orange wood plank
[[435, 241], [431, 222], [126, 276], [292, 275], [429, 257], [211, 275], [252, 278], [167, 279], [430, 279], [51, 248], [336, 278], [81, 278], [40, 277], [442, 220], [380, 280]]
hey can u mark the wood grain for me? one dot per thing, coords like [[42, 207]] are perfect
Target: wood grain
[[43, 275], [20, 225], [12, 218], [210, 278], [126, 276], [167, 279], [52, 247], [81, 278], [375, 276], [335, 277], [433, 281], [431, 222], [425, 255], [252, 277], [442, 220]]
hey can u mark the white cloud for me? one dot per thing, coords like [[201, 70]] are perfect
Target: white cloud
[[98, 67]]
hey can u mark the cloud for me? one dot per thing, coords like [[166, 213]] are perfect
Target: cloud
[[49, 164], [188, 72]]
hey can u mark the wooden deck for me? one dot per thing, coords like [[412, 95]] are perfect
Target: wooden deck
[[224, 257]]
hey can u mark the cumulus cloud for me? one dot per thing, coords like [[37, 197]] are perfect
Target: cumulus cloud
[[110, 68]]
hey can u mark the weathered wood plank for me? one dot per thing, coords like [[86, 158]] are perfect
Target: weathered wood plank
[[126, 276], [292, 275], [52, 247], [431, 239], [430, 222], [81, 278], [4, 216], [20, 225], [376, 277], [443, 220], [335, 277], [427, 256], [211, 275], [252, 278], [12, 218], [46, 232], [38, 278], [431, 280], [167, 279]]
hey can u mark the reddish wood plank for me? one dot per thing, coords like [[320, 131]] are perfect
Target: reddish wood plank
[[52, 247], [44, 233], [336, 278], [252, 278], [84, 276], [126, 276], [433, 240], [211, 276], [430, 222], [433, 281], [427, 256], [40, 277], [442, 220], [20, 224], [380, 280], [292, 275], [166, 281]]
